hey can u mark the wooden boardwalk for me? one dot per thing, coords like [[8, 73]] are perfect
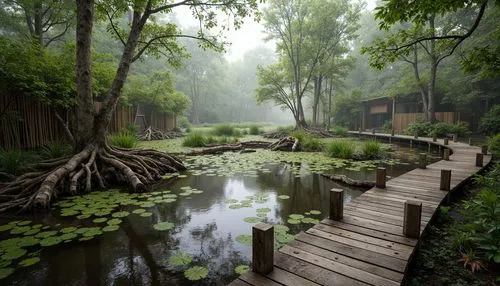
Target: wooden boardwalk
[[367, 246]]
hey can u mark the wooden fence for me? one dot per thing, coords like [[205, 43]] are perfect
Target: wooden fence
[[402, 120], [26, 123]]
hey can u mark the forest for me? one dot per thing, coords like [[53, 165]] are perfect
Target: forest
[[146, 127]]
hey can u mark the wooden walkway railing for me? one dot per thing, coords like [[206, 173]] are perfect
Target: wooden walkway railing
[[372, 239]]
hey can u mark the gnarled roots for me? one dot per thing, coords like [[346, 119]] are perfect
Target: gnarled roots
[[95, 165]]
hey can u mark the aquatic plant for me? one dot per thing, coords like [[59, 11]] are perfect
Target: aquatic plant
[[371, 149], [194, 139], [163, 226], [244, 239], [283, 197], [180, 258], [241, 269], [122, 140], [254, 130], [343, 149], [196, 273], [226, 130]]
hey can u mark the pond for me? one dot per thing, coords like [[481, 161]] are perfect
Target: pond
[[194, 229]]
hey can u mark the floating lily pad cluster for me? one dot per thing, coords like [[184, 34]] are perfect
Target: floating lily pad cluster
[[281, 236], [259, 198], [305, 218], [193, 273]]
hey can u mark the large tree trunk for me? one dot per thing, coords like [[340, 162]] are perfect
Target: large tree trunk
[[423, 93], [317, 93], [432, 81], [95, 163]]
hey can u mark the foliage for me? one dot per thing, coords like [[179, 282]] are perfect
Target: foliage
[[494, 144], [285, 129], [15, 162], [343, 149], [254, 130], [371, 149], [122, 139], [347, 109], [440, 129], [55, 149], [340, 131], [184, 123], [387, 126], [490, 123], [225, 130], [194, 139], [196, 273]]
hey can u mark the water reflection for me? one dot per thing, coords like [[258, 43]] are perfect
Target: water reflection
[[204, 226]]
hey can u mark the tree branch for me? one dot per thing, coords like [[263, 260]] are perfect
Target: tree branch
[[110, 18]]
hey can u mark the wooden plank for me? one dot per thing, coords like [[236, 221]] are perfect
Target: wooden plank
[[287, 278], [364, 238], [367, 256], [365, 206], [253, 278], [334, 266], [370, 232], [368, 267], [376, 217], [371, 224], [359, 244], [312, 272]]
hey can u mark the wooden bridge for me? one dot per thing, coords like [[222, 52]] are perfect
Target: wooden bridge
[[372, 239]]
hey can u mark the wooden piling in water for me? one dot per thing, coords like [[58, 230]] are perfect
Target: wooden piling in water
[[422, 161], [262, 248], [445, 141], [381, 178], [445, 180], [479, 159], [336, 204], [484, 149]]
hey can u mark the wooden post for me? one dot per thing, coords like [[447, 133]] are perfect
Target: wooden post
[[434, 138], [422, 161], [336, 204], [381, 178], [445, 180], [359, 130], [484, 149], [262, 248], [411, 144], [411, 224], [373, 131], [392, 132], [415, 136], [445, 141], [455, 138], [446, 154], [479, 159]]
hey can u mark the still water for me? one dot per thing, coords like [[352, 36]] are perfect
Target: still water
[[209, 226]]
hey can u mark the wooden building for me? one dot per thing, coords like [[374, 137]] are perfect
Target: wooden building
[[400, 112]]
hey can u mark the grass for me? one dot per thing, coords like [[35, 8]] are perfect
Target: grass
[[14, 162], [123, 140], [343, 149], [55, 149], [226, 130], [194, 139], [371, 149], [340, 131], [254, 130]]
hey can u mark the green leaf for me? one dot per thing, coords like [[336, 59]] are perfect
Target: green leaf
[[163, 226], [5, 272], [241, 269], [180, 258], [29, 261], [244, 239], [196, 273]]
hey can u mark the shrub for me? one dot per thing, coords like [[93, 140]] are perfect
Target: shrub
[[285, 129], [311, 144], [490, 123], [371, 149], [460, 129], [420, 128], [340, 131], [195, 139], [299, 134], [494, 144], [122, 139], [55, 149], [341, 149], [254, 130], [184, 123], [225, 130], [130, 129], [387, 126], [14, 162]]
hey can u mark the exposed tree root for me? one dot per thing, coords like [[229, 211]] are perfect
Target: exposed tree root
[[286, 144], [351, 182], [94, 167]]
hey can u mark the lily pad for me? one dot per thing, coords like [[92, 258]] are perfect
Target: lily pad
[[46, 234], [241, 269], [13, 253], [196, 272], [315, 212], [263, 210], [20, 229], [100, 220], [49, 241], [281, 228], [293, 221], [244, 239], [283, 197], [139, 211], [29, 261], [120, 214], [296, 216], [146, 214], [28, 241], [5, 272], [25, 222], [68, 236], [252, 219], [69, 229], [261, 215], [32, 231], [5, 227], [114, 221], [285, 238], [180, 258], [162, 226], [235, 206], [110, 228]]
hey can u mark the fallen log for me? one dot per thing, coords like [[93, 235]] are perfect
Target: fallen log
[[351, 182]]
